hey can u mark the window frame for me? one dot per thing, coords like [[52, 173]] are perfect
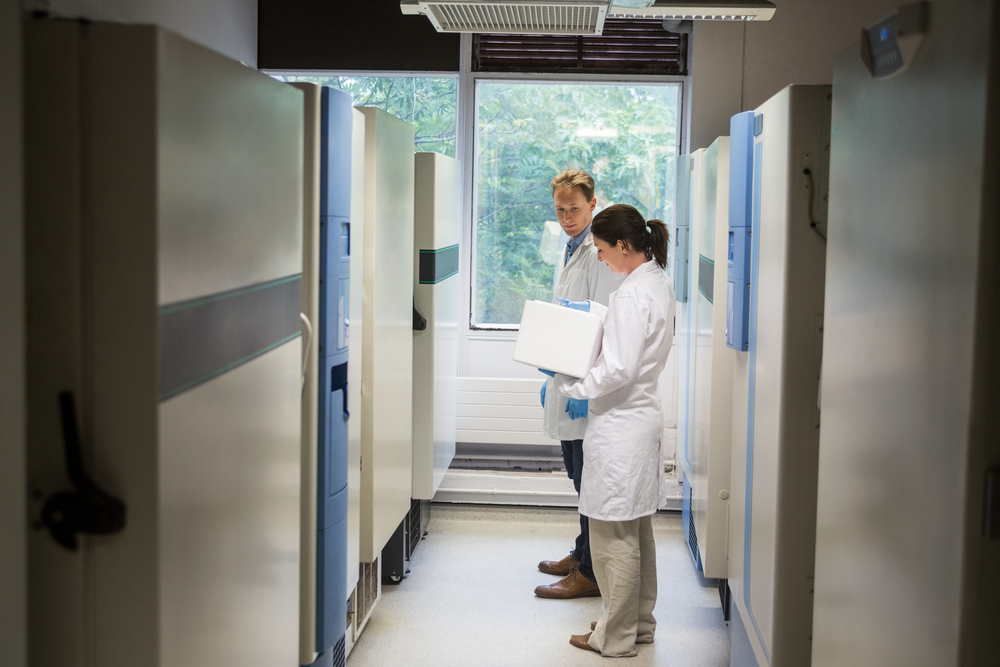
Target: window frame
[[467, 101]]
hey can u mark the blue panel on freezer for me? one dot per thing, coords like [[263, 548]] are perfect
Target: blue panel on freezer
[[331, 577], [332, 455], [741, 149], [331, 335], [335, 156], [334, 308]]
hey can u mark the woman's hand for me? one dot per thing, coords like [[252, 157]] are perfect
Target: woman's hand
[[576, 408]]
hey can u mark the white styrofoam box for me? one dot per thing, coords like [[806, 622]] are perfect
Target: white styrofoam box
[[560, 339]]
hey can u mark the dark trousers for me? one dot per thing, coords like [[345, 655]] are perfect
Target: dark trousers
[[572, 451]]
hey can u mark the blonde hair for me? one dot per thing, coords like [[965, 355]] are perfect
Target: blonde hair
[[574, 178]]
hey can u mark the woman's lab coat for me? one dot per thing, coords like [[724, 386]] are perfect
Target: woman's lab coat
[[622, 459], [584, 278]]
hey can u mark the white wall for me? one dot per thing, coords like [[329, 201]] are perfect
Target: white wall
[[13, 529], [227, 26], [738, 67]]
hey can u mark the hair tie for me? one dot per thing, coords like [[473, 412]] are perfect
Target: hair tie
[[648, 230]]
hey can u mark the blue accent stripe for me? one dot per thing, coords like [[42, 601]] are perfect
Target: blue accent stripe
[[754, 265]]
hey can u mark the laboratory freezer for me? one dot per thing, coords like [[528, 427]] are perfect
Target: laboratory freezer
[[326, 290], [437, 297], [908, 517], [775, 443], [387, 337], [712, 414], [164, 253]]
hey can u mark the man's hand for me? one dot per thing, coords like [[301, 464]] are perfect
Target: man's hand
[[575, 305]]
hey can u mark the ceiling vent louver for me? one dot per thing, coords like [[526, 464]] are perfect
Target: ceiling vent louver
[[522, 17]]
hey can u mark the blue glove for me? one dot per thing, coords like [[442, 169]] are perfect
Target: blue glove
[[575, 305], [576, 408], [551, 374], [544, 385]]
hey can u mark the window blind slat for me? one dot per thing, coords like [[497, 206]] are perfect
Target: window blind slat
[[627, 45]]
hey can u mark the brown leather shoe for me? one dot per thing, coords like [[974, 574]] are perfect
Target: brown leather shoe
[[573, 585], [583, 641], [560, 567]]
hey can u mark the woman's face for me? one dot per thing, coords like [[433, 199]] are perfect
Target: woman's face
[[612, 255]]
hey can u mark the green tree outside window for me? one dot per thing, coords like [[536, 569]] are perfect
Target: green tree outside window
[[624, 135]]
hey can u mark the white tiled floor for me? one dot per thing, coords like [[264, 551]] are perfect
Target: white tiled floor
[[469, 600]]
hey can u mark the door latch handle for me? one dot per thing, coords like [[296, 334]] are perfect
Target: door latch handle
[[419, 321], [991, 505], [338, 382], [89, 509]]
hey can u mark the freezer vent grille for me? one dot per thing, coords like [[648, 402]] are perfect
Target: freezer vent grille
[[413, 532], [692, 534], [340, 654], [518, 18], [368, 590]]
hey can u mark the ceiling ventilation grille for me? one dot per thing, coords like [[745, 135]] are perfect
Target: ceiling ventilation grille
[[518, 18]]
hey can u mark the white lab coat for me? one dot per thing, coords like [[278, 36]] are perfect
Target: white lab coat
[[622, 459], [584, 278]]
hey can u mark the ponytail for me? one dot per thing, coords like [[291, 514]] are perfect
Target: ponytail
[[622, 222], [659, 242]]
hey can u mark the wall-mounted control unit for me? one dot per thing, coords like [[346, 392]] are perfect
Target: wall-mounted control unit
[[891, 45]]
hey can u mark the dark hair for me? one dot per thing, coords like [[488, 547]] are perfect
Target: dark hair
[[622, 222]]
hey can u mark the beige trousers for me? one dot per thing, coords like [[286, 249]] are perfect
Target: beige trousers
[[624, 556]]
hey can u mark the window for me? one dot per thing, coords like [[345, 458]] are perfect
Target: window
[[625, 135], [428, 103]]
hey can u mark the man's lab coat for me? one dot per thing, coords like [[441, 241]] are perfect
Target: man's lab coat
[[584, 278]]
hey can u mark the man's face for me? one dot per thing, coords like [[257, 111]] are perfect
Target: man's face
[[573, 209]]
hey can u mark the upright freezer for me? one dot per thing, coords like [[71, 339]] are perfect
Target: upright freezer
[[437, 297], [164, 254], [712, 398], [775, 445], [908, 516], [326, 303], [387, 338]]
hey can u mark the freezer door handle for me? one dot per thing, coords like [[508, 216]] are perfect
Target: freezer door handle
[[89, 509], [991, 505]]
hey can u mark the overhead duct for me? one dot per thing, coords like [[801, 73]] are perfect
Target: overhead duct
[[734, 10], [571, 17]]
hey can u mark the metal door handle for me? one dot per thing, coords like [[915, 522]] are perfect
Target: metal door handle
[[89, 509], [419, 321]]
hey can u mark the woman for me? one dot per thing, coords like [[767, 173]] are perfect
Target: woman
[[623, 463]]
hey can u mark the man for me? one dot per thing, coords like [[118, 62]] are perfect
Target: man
[[581, 277]]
